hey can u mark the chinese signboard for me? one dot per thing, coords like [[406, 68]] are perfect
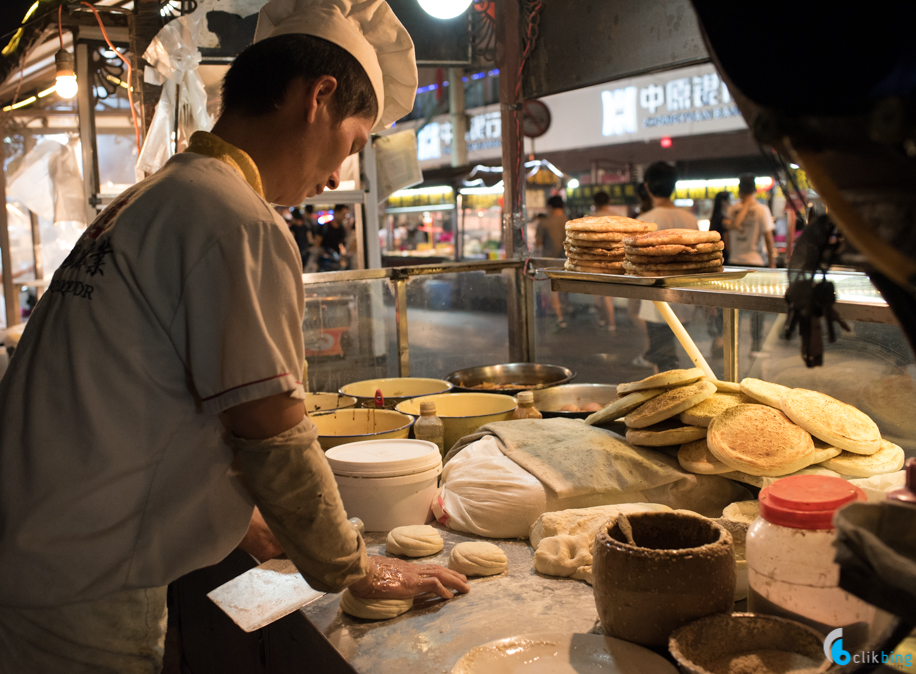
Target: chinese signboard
[[484, 136], [581, 198]]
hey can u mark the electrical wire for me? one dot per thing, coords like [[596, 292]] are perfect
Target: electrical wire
[[130, 95]]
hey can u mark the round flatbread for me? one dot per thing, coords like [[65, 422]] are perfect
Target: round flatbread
[[890, 401], [606, 268], [606, 245], [834, 422], [672, 272], [609, 223], [596, 236], [666, 379], [623, 406], [676, 249], [764, 391], [823, 451], [585, 257], [596, 252], [888, 459], [416, 540], [725, 386], [478, 558], [759, 440], [674, 266], [669, 404], [695, 457], [636, 258], [373, 609], [709, 409], [668, 237], [669, 432], [762, 481]]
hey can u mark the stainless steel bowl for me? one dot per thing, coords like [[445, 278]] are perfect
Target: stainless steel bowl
[[510, 378], [550, 400]]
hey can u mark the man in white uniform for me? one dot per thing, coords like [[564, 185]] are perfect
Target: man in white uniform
[[748, 222], [660, 182], [156, 394]]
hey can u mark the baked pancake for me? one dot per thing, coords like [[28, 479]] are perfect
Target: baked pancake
[[667, 379], [695, 457], [667, 237], [761, 481], [675, 272], [675, 248], [669, 404], [623, 405], [609, 223], [832, 421], [709, 409], [823, 451], [888, 459], [763, 391], [759, 440], [725, 386], [669, 432]]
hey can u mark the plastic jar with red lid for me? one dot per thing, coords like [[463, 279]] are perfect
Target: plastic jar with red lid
[[791, 572]]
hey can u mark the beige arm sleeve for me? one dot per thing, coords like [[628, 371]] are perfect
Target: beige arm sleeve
[[292, 484]]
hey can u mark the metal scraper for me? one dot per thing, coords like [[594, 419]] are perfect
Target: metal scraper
[[264, 594]]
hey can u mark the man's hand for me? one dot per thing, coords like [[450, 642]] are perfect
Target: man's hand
[[259, 541], [390, 578]]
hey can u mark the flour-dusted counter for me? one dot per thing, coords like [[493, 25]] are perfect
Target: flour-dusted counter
[[433, 635]]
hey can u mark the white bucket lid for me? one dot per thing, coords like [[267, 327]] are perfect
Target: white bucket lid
[[384, 458]]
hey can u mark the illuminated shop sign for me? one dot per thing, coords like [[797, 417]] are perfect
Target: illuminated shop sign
[[434, 140], [698, 98]]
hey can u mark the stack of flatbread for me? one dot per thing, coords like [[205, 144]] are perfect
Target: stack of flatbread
[[672, 252], [595, 244]]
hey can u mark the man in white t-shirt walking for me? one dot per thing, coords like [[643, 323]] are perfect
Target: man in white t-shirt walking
[[748, 221], [660, 181]]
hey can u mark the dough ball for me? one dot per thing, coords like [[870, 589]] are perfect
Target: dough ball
[[373, 609], [571, 407], [591, 407], [477, 558], [563, 555], [418, 540]]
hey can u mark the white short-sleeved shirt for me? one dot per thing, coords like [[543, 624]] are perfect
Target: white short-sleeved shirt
[[184, 298], [665, 218], [744, 243]]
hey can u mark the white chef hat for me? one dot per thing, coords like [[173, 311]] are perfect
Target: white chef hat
[[368, 30]]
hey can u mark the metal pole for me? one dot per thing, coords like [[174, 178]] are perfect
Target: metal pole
[[730, 351], [359, 256], [509, 52], [400, 317], [456, 108], [10, 293], [85, 101], [371, 217]]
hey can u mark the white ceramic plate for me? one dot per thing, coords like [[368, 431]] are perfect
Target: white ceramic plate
[[562, 653]]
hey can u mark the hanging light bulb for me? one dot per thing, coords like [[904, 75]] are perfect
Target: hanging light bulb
[[66, 78], [445, 9]]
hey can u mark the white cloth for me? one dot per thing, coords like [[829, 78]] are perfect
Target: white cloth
[[744, 243], [368, 30], [79, 639], [113, 472], [667, 218]]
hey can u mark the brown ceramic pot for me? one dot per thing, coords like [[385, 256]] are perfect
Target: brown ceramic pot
[[682, 567]]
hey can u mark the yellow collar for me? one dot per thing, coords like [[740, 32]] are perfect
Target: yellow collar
[[209, 145]]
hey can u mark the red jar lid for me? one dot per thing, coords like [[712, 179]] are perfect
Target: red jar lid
[[806, 501]]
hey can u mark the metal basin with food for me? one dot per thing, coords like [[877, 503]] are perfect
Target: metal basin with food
[[510, 378], [318, 402], [463, 413], [551, 401], [394, 389], [353, 425]]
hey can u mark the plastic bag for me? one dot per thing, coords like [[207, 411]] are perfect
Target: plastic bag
[[175, 59]]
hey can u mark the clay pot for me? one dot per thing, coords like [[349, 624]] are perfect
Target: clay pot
[[682, 567]]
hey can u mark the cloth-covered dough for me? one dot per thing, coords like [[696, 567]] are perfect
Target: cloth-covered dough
[[586, 521], [477, 558], [563, 555], [373, 609], [418, 540]]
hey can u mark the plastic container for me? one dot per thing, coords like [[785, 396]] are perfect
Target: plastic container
[[429, 427], [791, 572], [526, 408], [387, 483]]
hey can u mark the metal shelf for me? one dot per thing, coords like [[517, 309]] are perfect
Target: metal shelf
[[760, 290]]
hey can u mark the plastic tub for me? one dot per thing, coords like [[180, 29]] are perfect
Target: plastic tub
[[387, 483]]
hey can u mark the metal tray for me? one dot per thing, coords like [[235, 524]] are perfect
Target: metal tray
[[529, 376], [671, 281]]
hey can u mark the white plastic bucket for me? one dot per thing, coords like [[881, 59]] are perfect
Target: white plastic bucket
[[387, 483]]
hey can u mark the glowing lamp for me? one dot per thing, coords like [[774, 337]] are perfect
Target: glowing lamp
[[445, 9], [666, 142], [66, 78]]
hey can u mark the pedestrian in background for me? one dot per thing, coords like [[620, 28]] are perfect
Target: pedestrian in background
[[549, 237]]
